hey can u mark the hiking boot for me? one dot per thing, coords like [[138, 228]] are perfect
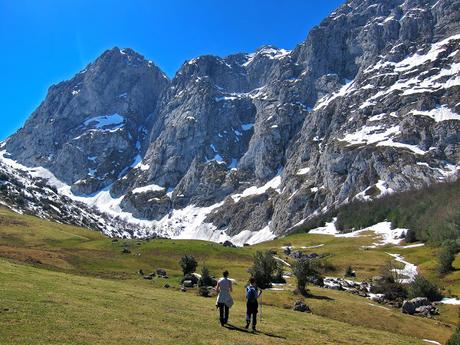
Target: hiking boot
[[247, 325]]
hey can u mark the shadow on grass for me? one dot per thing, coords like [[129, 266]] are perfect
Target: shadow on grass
[[244, 330], [309, 295]]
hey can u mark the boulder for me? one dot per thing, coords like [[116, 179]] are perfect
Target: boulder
[[379, 298], [166, 286], [302, 307], [420, 301], [408, 308], [228, 244], [190, 277], [148, 277], [126, 251], [161, 272], [188, 283]]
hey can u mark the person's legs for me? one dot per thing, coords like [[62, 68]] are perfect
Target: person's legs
[[248, 315], [254, 320], [254, 315], [221, 313], [227, 311]]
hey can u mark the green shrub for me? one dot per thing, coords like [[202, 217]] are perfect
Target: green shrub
[[205, 279], [188, 264], [263, 268], [302, 269], [446, 256], [421, 287]]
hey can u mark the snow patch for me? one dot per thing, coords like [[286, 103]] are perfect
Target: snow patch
[[254, 190], [450, 300], [412, 246], [105, 121], [328, 229], [439, 114], [149, 188], [303, 171], [253, 237], [409, 271]]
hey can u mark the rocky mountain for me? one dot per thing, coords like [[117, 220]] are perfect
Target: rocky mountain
[[249, 146]]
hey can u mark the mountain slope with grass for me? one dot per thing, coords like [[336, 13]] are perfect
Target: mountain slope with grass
[[55, 278], [431, 213]]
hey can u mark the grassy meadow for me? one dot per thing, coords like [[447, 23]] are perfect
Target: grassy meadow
[[66, 285]]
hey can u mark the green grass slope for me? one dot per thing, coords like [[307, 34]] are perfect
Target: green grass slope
[[67, 285]]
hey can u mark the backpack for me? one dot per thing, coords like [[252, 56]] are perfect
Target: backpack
[[251, 293]]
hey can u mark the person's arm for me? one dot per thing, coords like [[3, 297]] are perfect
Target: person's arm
[[231, 286], [218, 287], [260, 292]]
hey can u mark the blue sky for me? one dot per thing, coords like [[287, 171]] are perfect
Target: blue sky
[[46, 41]]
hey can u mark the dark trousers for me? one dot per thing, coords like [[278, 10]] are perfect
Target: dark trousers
[[223, 312], [252, 309]]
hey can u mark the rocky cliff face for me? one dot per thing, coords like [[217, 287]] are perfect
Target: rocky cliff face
[[90, 129], [250, 145]]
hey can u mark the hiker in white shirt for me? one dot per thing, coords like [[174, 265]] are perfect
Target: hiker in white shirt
[[224, 299]]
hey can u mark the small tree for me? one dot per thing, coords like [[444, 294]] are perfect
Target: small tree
[[302, 269], [188, 264], [446, 256], [205, 279], [263, 268], [421, 287]]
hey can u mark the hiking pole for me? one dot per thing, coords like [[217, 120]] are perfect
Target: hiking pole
[[261, 306]]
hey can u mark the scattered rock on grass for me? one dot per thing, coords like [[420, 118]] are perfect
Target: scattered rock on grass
[[203, 291], [161, 273], [302, 307], [419, 305], [188, 283]]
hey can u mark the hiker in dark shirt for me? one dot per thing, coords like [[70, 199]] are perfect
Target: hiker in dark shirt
[[252, 294]]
